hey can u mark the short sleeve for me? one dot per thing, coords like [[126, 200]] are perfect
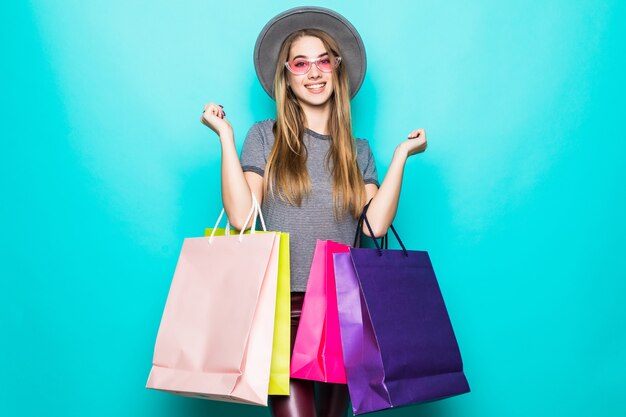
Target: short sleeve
[[253, 151], [365, 159]]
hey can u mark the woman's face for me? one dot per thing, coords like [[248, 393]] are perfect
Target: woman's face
[[315, 87]]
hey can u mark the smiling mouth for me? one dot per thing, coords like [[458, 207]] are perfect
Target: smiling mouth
[[315, 86]]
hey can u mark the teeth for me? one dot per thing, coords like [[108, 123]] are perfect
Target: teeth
[[312, 87]]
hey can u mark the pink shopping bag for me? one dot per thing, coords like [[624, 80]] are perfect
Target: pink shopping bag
[[317, 351], [216, 333]]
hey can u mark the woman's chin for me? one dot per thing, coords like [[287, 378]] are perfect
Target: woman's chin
[[316, 101]]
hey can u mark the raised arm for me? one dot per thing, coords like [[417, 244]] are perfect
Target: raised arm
[[384, 205], [236, 185]]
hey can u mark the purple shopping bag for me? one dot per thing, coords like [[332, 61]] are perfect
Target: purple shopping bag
[[361, 354], [398, 343]]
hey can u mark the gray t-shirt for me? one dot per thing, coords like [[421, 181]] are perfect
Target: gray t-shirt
[[315, 219]]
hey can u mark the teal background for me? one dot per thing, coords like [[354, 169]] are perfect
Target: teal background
[[519, 199]]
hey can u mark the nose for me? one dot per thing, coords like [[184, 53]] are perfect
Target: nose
[[314, 72]]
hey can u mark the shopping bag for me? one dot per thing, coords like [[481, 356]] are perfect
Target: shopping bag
[[317, 353], [363, 363], [279, 368], [216, 334], [398, 343]]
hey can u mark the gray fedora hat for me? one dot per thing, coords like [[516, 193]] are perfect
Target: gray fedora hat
[[308, 17]]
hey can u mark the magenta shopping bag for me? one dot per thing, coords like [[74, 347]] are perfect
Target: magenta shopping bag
[[317, 353], [398, 343]]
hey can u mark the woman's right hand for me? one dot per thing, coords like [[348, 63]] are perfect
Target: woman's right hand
[[214, 117]]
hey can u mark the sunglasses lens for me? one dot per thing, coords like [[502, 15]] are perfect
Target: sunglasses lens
[[299, 66], [325, 64]]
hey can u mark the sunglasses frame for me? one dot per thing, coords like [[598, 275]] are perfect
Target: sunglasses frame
[[316, 62]]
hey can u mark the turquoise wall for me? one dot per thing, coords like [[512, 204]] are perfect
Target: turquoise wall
[[519, 199]]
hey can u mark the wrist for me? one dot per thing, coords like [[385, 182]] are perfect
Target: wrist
[[401, 152], [226, 138]]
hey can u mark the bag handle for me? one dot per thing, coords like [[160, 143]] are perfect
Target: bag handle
[[359, 227], [254, 212], [257, 213], [384, 240]]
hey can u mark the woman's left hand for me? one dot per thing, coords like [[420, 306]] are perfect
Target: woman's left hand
[[415, 144]]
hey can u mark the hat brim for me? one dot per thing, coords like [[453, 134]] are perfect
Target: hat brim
[[280, 27]]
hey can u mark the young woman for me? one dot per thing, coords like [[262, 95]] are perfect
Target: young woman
[[310, 174]]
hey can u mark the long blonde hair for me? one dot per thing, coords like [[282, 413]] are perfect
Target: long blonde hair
[[286, 170]]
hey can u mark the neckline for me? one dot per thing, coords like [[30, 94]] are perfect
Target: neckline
[[316, 135]]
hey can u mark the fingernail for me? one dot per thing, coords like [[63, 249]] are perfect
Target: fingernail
[[220, 105]]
